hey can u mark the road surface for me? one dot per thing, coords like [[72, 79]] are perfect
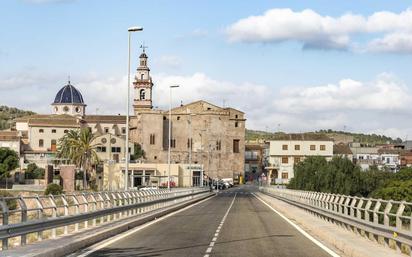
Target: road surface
[[234, 223]]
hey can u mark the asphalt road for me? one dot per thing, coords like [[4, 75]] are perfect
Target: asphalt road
[[234, 223]]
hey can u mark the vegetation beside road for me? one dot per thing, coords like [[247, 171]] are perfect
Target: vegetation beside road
[[341, 176]]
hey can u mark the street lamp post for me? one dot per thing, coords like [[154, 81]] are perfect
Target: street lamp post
[[170, 132], [126, 174]]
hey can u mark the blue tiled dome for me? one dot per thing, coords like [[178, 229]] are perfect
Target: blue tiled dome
[[69, 95]]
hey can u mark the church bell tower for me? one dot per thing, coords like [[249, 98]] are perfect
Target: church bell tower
[[142, 85]]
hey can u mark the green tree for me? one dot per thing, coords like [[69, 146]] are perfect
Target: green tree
[[34, 172], [9, 161], [78, 148], [138, 152]]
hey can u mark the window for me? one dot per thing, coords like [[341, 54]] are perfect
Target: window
[[77, 109], [218, 145], [236, 145], [141, 76], [141, 63], [41, 143], [53, 131], [285, 147], [101, 149], [106, 130], [116, 150], [123, 130], [285, 159], [152, 139], [142, 94], [66, 131], [312, 147], [285, 175], [322, 147], [297, 159], [113, 141], [104, 140], [41, 130], [236, 116], [173, 143], [65, 109], [190, 143], [236, 124], [178, 118], [297, 147]]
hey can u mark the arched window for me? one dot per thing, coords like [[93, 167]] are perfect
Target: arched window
[[142, 94], [41, 143]]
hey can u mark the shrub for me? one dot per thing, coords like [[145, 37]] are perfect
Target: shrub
[[34, 172], [11, 203], [53, 189]]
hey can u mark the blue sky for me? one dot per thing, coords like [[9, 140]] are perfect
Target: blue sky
[[205, 45]]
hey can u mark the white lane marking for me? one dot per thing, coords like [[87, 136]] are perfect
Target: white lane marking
[[212, 243], [109, 241], [303, 232]]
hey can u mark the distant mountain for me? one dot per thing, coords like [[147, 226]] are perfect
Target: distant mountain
[[341, 136], [7, 114]]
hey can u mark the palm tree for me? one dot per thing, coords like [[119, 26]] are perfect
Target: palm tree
[[77, 146]]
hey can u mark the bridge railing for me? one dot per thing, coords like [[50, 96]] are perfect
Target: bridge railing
[[387, 222], [26, 219]]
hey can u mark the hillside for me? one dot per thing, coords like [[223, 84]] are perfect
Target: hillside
[[7, 114], [371, 139]]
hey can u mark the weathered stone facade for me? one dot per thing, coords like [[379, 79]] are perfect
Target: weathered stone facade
[[212, 135]]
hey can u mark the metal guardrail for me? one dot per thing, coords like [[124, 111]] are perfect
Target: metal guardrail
[[34, 218], [386, 222]]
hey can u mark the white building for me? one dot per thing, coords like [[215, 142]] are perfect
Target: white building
[[35, 137], [289, 149]]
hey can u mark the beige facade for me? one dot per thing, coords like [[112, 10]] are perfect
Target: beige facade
[[293, 148], [201, 133], [150, 174], [41, 132]]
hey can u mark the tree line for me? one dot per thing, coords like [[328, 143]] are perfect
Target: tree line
[[341, 176]]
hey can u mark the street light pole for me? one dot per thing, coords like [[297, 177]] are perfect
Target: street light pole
[[170, 133], [126, 172]]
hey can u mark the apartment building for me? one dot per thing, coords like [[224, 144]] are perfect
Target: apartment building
[[289, 149]]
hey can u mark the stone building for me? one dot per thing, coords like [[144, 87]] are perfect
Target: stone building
[[201, 132]]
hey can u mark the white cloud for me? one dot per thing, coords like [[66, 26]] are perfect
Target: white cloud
[[378, 106], [316, 31], [393, 43]]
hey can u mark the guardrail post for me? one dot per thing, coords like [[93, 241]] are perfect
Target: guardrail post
[[54, 213], [399, 213], [40, 213], [94, 208], [86, 208], [5, 214], [23, 208], [66, 212], [367, 210], [375, 211], [388, 208], [77, 211]]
